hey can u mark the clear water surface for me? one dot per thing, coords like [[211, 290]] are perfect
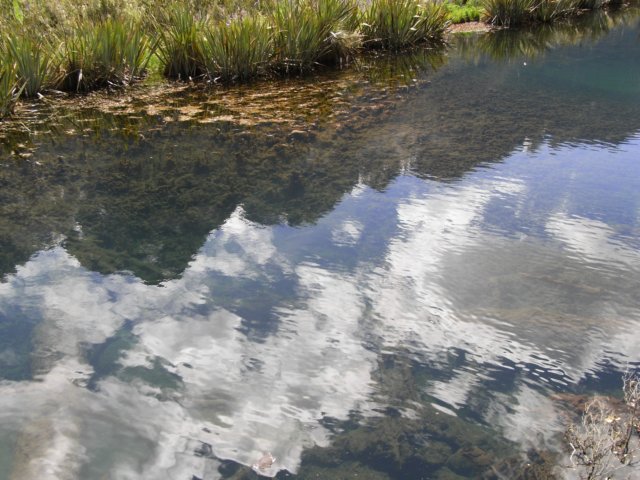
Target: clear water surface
[[408, 269]]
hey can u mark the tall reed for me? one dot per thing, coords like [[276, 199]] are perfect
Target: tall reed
[[398, 24]]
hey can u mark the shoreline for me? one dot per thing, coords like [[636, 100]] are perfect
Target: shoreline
[[28, 109], [470, 27]]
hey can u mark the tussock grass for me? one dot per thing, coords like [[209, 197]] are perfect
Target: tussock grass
[[34, 60], [307, 32], [508, 13], [238, 50], [341, 17], [181, 38], [97, 43], [549, 10], [10, 88], [398, 24], [511, 13], [113, 52]]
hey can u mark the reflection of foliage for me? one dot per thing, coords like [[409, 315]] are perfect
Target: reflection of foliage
[[105, 357], [135, 200], [510, 13], [533, 42], [509, 44], [403, 69]]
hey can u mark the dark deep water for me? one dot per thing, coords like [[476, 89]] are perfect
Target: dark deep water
[[406, 270]]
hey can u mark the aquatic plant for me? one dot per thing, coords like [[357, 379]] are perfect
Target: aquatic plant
[[397, 24], [10, 88], [344, 39], [591, 4], [549, 10], [508, 13], [180, 42], [35, 61], [306, 33], [113, 52], [238, 50]]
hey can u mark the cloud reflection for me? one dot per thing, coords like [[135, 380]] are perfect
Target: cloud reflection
[[445, 283]]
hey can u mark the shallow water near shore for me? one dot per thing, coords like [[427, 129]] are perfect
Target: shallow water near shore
[[411, 268]]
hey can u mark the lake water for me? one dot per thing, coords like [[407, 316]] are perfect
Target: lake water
[[410, 269]]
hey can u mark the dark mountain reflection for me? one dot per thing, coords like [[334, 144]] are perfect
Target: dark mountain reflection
[[144, 203]]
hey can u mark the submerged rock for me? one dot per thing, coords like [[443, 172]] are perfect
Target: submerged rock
[[265, 463]]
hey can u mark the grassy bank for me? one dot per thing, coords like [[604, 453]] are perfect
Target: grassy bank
[[99, 43], [461, 11], [81, 46]]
